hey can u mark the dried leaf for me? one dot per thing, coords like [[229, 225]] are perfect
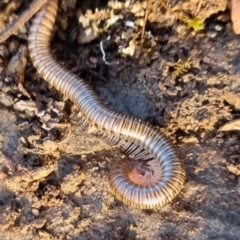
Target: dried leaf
[[235, 12], [230, 126]]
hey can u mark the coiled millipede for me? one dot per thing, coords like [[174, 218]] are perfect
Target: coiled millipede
[[156, 175]]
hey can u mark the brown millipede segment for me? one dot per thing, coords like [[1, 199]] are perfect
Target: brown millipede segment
[[157, 174]]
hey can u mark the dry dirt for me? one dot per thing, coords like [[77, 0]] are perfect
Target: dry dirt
[[54, 169]]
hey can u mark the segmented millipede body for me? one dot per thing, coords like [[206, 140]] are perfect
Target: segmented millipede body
[[157, 174]]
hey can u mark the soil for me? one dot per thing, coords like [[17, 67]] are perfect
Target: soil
[[54, 168]]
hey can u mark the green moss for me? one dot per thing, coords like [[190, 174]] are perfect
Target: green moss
[[196, 24]]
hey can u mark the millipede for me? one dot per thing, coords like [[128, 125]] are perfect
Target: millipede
[[154, 174]]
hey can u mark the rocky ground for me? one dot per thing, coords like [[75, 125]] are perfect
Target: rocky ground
[[184, 79]]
